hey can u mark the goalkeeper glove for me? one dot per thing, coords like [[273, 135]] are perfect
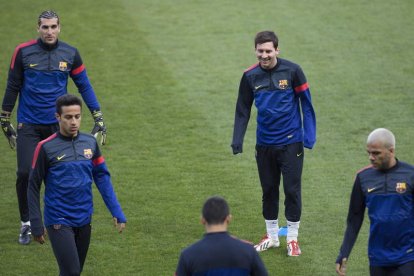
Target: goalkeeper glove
[[99, 127], [8, 129]]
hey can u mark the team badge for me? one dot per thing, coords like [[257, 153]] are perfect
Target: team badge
[[63, 65], [401, 187], [87, 153], [283, 84]]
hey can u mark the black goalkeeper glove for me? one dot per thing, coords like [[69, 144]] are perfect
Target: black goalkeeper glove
[[99, 127], [8, 129]]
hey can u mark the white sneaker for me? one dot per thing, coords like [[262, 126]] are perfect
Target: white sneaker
[[293, 248], [266, 243], [25, 232]]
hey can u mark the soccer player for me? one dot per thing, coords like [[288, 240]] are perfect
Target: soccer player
[[38, 75], [68, 162], [285, 125], [386, 188], [218, 253]]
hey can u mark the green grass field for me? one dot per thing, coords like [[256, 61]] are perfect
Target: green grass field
[[167, 73]]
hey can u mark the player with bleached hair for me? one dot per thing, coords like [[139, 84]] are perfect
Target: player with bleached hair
[[386, 189]]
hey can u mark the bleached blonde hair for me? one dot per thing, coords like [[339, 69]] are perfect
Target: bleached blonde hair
[[382, 135]]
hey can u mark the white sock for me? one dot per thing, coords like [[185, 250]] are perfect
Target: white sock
[[272, 228], [25, 223], [292, 230]]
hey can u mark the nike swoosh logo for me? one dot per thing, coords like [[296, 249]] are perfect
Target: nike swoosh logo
[[257, 87], [299, 154], [60, 157], [371, 189], [32, 64]]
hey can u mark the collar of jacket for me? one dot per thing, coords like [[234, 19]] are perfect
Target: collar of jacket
[[67, 138], [47, 47]]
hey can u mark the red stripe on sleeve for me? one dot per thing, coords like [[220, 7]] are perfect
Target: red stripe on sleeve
[[31, 42], [364, 168], [98, 161], [252, 67], [39, 145], [78, 70], [301, 88]]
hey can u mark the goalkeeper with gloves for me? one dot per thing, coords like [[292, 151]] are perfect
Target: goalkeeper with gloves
[[38, 75]]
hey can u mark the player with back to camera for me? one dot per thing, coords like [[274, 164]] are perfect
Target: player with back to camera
[[38, 75], [386, 189], [281, 94], [68, 162], [218, 253]]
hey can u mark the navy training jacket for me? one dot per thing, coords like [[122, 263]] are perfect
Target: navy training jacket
[[389, 197], [39, 74], [220, 254], [282, 97], [68, 166]]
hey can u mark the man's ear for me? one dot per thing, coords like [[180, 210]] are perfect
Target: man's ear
[[203, 221], [229, 218], [57, 116], [277, 51]]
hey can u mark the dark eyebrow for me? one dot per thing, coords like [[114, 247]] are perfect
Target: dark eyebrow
[[54, 26]]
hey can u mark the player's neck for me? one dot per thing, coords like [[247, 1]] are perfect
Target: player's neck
[[216, 228]]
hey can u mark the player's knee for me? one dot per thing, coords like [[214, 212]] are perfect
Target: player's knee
[[23, 173], [22, 177], [73, 270]]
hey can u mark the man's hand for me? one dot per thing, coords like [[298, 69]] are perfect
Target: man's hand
[[341, 268], [119, 226], [40, 239], [99, 127], [8, 129]]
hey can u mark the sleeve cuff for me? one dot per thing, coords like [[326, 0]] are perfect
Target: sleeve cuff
[[237, 149]]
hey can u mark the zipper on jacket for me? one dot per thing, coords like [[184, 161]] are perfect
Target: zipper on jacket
[[74, 149], [271, 84], [48, 61]]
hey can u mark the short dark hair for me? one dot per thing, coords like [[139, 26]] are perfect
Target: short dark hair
[[66, 100], [266, 36], [47, 15], [215, 210]]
